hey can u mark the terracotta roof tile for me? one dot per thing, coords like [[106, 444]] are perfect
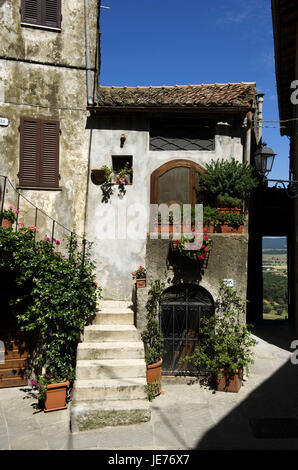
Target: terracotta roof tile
[[204, 95]]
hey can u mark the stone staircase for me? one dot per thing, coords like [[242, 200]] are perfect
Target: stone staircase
[[110, 385]]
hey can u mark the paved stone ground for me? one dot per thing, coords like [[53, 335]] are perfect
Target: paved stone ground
[[187, 416]]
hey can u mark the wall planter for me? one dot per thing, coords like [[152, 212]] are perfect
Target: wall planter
[[229, 217], [141, 283], [229, 381], [6, 223], [56, 396], [99, 175]]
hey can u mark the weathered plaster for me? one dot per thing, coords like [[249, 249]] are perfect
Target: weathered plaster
[[116, 259]]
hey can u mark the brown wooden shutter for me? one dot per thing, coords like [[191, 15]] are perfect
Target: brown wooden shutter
[[39, 153], [31, 11], [51, 13], [49, 161], [29, 152]]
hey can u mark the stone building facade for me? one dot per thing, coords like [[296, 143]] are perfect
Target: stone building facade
[[131, 125], [48, 63]]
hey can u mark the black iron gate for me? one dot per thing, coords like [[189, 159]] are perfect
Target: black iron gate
[[181, 310]]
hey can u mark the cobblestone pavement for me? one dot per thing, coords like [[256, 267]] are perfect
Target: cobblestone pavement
[[187, 416]]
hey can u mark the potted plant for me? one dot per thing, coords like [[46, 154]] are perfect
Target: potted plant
[[194, 248], [124, 175], [140, 276], [9, 217], [227, 185], [102, 175], [153, 338], [225, 347], [51, 392]]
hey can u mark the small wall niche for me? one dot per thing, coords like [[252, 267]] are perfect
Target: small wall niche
[[120, 162]]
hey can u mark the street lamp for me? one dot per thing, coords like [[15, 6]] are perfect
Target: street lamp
[[264, 158]]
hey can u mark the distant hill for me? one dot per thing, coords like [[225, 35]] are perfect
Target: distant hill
[[277, 243]]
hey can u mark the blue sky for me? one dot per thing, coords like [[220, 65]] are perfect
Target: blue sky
[[179, 42]]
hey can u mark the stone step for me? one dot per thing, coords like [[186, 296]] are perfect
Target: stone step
[[109, 389], [110, 350], [98, 333], [116, 316], [92, 415], [110, 369], [114, 304]]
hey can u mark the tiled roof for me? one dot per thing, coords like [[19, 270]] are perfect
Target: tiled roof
[[211, 95]]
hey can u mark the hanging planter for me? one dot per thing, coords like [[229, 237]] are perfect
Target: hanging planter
[[195, 249], [98, 175]]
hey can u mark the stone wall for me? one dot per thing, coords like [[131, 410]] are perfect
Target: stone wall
[[116, 256], [227, 260], [43, 75]]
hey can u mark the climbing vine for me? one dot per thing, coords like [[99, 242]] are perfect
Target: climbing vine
[[56, 294]]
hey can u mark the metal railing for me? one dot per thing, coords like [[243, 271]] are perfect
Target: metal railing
[[29, 215]]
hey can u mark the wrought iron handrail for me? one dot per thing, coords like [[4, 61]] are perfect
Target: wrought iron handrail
[[3, 190]]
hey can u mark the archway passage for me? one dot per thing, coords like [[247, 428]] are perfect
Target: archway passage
[[182, 308]]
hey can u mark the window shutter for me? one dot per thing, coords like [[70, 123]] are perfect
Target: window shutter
[[31, 11], [49, 160], [51, 13], [29, 151]]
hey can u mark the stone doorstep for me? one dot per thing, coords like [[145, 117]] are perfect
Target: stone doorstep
[[89, 415], [110, 350], [114, 318], [99, 333], [110, 389], [110, 369], [101, 304]]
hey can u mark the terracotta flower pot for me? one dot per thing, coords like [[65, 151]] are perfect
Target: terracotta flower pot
[[154, 372], [56, 396], [231, 381], [6, 223], [209, 227], [225, 228], [153, 376], [140, 283]]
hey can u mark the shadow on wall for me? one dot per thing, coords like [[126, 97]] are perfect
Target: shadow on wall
[[266, 420]]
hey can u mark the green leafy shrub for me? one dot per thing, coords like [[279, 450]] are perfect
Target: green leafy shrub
[[225, 341], [152, 335], [10, 214], [57, 298], [227, 181]]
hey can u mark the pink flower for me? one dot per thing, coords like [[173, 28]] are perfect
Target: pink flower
[[21, 224], [23, 233], [57, 242], [10, 207], [32, 227], [17, 211]]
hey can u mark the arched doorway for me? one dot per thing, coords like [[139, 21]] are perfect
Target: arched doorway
[[181, 310], [177, 181]]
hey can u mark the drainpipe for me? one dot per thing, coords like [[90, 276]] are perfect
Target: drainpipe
[[88, 60], [247, 152], [260, 116]]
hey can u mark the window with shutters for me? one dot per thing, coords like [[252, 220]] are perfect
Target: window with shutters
[[46, 13], [39, 153]]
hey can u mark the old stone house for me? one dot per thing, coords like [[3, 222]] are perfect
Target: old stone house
[[58, 127]]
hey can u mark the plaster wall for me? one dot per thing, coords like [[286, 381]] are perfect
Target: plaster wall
[[116, 257], [65, 47], [43, 75]]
